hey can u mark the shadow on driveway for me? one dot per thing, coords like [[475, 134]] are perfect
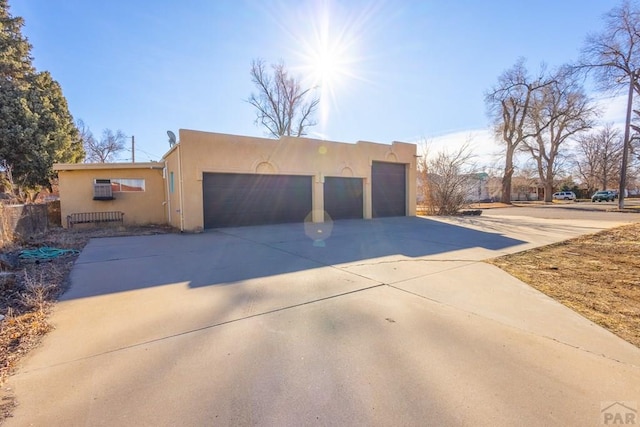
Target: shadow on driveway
[[232, 255]]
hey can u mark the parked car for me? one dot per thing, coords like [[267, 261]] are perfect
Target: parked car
[[606, 196], [614, 192], [564, 195], [599, 196]]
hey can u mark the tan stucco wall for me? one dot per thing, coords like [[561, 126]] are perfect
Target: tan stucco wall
[[145, 207], [172, 164], [200, 152]]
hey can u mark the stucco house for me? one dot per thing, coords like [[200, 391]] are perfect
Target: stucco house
[[211, 180], [137, 189]]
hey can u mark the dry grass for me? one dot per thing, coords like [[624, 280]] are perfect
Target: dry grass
[[28, 293], [25, 301], [597, 275], [26, 297]]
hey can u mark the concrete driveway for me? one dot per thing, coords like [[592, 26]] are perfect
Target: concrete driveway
[[382, 322]]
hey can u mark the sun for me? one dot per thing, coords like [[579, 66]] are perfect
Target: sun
[[327, 67], [326, 51], [325, 41], [330, 60]]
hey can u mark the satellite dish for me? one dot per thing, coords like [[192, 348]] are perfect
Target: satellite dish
[[172, 138]]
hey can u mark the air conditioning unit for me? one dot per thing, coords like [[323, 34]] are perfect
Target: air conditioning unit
[[102, 190]]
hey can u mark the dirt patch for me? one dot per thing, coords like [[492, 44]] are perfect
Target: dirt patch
[[596, 275], [30, 285]]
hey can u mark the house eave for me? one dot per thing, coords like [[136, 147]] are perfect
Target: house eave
[[104, 166]]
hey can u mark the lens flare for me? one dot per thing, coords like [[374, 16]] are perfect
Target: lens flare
[[327, 39]]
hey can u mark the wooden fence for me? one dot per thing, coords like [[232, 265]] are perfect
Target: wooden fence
[[25, 221]]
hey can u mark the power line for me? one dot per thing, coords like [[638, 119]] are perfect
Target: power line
[[139, 150]]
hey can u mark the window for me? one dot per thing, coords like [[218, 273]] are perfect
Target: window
[[171, 182], [126, 185], [103, 189]]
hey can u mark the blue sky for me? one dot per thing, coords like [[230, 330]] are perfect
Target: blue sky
[[393, 70]]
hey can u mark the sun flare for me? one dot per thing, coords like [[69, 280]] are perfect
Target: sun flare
[[326, 41], [326, 67], [327, 53]]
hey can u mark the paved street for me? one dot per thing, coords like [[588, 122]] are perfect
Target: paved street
[[383, 322], [570, 210]]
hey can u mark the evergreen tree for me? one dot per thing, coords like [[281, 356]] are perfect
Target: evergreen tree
[[15, 50], [36, 128]]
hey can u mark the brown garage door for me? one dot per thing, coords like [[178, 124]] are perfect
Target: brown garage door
[[232, 200], [343, 197], [388, 189]]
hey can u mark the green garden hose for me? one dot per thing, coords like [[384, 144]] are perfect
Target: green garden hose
[[45, 253]]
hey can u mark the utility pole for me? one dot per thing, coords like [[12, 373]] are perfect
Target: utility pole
[[133, 149], [627, 142]]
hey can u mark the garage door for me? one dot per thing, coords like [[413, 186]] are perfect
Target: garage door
[[251, 199], [343, 197], [388, 189]]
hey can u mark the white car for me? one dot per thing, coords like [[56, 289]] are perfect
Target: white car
[[564, 195]]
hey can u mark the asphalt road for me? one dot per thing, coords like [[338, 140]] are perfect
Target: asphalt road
[[605, 211]]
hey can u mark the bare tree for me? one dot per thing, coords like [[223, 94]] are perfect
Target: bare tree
[[559, 111], [508, 105], [104, 150], [613, 55], [21, 193], [598, 156], [447, 178], [282, 106], [84, 134], [6, 178]]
